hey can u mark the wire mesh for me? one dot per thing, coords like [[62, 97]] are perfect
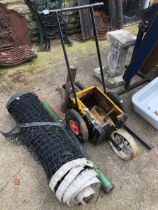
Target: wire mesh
[[49, 143]]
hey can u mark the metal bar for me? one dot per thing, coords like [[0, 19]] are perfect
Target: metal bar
[[141, 140], [133, 86], [66, 58], [74, 8], [90, 6], [143, 77], [98, 49]]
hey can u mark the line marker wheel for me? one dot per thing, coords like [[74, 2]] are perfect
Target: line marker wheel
[[124, 145]]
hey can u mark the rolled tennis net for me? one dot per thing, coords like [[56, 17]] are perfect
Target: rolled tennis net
[[70, 175]]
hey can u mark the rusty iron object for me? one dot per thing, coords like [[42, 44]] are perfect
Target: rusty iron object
[[14, 38], [16, 55], [102, 24], [6, 35]]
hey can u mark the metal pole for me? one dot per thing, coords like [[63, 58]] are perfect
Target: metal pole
[[143, 80], [147, 144], [98, 49], [131, 87], [74, 8], [66, 58]]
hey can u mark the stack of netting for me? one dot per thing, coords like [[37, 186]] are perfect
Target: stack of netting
[[71, 176]]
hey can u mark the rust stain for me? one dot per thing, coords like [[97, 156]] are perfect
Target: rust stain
[[17, 181]]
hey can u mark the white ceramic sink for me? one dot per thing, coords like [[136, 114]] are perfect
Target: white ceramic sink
[[145, 102]]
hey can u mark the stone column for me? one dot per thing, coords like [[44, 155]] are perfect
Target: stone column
[[120, 40]]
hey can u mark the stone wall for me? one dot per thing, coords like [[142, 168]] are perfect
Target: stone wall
[[72, 18], [19, 5]]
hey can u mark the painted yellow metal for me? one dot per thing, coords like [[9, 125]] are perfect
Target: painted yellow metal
[[83, 108]]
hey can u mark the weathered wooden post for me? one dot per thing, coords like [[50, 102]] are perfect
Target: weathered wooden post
[[116, 14]]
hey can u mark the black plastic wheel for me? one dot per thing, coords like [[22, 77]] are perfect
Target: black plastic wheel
[[117, 100], [77, 125]]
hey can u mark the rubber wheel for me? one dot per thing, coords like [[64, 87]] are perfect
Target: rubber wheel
[[116, 99], [76, 123], [126, 148]]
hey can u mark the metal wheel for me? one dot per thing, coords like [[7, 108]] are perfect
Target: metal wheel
[[76, 123], [124, 145]]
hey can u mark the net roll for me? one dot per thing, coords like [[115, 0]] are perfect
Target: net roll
[[70, 175]]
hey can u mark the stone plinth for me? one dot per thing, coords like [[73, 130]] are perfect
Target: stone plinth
[[120, 40]]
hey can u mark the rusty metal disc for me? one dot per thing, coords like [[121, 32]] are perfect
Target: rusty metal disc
[[14, 38]]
